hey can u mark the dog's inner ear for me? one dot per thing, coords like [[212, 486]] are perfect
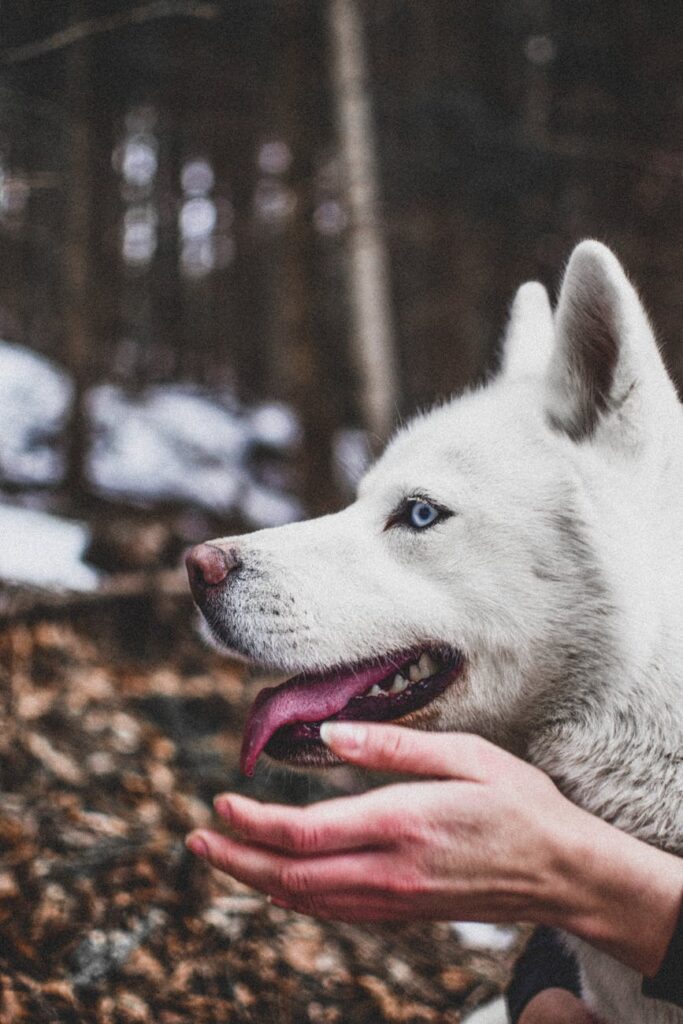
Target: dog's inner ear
[[598, 324]]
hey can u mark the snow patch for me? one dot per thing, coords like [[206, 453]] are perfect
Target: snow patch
[[175, 443], [35, 397], [274, 424], [265, 507], [167, 443], [494, 1012], [491, 937], [43, 550], [170, 443]]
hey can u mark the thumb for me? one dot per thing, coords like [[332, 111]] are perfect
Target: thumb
[[454, 755]]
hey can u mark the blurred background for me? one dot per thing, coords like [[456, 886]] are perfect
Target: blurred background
[[239, 241]]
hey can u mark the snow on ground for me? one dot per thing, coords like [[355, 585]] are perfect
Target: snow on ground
[[43, 550], [274, 424], [494, 1012], [172, 442], [491, 937], [35, 396], [169, 443], [264, 506]]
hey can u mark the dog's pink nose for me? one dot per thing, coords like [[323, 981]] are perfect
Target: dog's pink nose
[[208, 566]]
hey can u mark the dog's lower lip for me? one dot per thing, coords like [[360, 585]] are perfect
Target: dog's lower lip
[[298, 737]]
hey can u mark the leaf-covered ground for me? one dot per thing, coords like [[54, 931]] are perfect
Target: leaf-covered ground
[[116, 730]]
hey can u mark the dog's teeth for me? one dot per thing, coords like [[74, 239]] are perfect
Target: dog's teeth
[[415, 674], [399, 684], [374, 691], [427, 665]]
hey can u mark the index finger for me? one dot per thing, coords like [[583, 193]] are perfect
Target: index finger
[[344, 823]]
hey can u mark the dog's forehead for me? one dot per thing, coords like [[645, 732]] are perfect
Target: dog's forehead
[[469, 435], [415, 463]]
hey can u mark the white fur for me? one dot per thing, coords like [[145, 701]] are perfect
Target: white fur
[[559, 576], [530, 333]]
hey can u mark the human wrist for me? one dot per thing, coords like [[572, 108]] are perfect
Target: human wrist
[[616, 892]]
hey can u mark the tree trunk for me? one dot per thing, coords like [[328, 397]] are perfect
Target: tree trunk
[[76, 253], [369, 292]]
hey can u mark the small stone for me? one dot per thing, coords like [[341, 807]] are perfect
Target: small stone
[[399, 970]]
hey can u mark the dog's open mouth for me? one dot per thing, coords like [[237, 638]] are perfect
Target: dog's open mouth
[[285, 720]]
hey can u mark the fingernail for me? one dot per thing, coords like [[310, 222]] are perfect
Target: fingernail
[[196, 842], [347, 736], [222, 806]]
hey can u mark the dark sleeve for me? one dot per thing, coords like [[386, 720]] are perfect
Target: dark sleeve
[[667, 984], [545, 963]]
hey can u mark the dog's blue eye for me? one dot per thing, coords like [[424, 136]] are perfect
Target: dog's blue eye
[[417, 514], [421, 514]]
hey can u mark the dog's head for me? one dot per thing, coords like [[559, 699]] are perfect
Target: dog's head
[[480, 572]]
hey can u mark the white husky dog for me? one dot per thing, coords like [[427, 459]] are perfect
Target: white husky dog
[[512, 566]]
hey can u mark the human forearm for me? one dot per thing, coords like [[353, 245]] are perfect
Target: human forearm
[[616, 892]]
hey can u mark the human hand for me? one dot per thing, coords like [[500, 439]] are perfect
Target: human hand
[[482, 839], [556, 1006]]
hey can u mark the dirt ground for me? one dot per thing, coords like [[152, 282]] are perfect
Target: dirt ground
[[117, 728]]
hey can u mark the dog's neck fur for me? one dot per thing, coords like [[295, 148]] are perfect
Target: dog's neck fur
[[616, 747], [623, 763], [614, 742]]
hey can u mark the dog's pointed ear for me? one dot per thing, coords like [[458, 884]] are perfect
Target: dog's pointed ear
[[605, 360], [529, 336]]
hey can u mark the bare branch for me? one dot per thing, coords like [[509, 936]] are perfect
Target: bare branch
[[110, 23], [18, 599]]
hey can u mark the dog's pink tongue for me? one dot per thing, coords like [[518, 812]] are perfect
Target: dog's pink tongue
[[301, 700]]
